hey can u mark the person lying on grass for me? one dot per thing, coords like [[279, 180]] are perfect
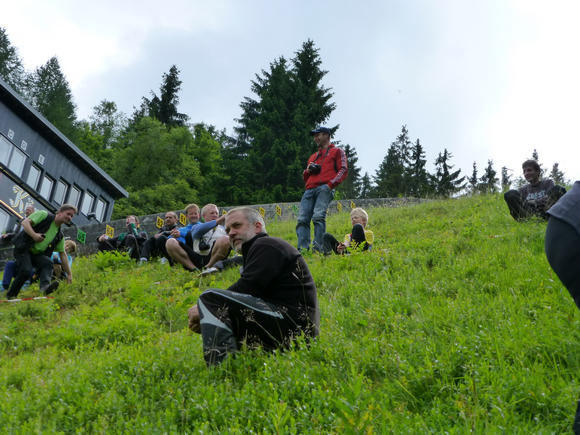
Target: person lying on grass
[[359, 238], [273, 302]]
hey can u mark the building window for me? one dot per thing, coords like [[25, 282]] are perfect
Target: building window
[[87, 204], [17, 161], [60, 192], [5, 148], [100, 209], [74, 195], [24, 145], [46, 187], [33, 177]]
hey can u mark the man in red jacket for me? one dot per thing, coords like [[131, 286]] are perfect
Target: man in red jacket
[[325, 170]]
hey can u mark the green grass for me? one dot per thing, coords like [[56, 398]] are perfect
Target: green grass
[[455, 323]]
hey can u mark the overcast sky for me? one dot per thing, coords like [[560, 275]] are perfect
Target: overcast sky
[[487, 79]]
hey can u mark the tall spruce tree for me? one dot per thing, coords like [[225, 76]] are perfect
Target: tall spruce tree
[[389, 176], [50, 94], [273, 130], [11, 68], [418, 178], [164, 107], [489, 179], [557, 175], [366, 188], [350, 187], [446, 182], [506, 179], [473, 180]]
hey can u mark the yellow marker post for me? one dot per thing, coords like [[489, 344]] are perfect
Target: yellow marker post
[[262, 211], [339, 206], [278, 210], [109, 231], [352, 205], [159, 222], [182, 219]]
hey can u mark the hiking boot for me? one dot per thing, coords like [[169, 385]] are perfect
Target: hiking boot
[[49, 288]]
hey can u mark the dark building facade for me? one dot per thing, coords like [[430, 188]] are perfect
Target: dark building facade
[[40, 166]]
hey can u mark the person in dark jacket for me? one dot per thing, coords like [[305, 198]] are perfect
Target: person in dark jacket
[[562, 246], [325, 170], [536, 197], [273, 302], [131, 241], [33, 246], [155, 246]]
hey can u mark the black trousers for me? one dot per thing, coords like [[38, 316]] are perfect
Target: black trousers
[[330, 244], [25, 262], [228, 319], [562, 245], [519, 209], [154, 247]]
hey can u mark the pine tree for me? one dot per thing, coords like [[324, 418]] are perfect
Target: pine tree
[[506, 179], [272, 135], [473, 180], [366, 188], [350, 187], [537, 159], [557, 176], [447, 183], [107, 121], [489, 179], [11, 69], [418, 178], [164, 107], [50, 94], [389, 175]]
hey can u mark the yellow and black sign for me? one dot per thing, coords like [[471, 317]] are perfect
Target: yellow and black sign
[[159, 222], [182, 219], [262, 211], [339, 206], [110, 231], [278, 210]]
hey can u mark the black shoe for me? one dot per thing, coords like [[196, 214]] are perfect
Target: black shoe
[[50, 288]]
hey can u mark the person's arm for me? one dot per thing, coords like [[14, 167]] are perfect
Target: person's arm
[[199, 230], [340, 162], [194, 319], [66, 266], [27, 227]]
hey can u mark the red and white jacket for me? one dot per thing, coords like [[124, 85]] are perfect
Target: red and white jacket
[[333, 170]]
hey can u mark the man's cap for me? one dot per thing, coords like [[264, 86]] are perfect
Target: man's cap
[[320, 130]]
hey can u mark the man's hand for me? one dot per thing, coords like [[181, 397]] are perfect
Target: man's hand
[[102, 238], [193, 315], [341, 248], [221, 220], [38, 237], [175, 233]]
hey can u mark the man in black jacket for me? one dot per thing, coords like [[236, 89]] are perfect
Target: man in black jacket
[[155, 246], [34, 245], [273, 302]]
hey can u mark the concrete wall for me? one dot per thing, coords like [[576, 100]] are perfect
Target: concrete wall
[[281, 211]]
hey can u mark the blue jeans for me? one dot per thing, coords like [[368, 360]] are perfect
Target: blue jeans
[[313, 207]]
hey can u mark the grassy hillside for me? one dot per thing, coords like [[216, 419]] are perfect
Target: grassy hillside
[[454, 323]]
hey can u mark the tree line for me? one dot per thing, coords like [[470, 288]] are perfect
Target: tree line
[[165, 161]]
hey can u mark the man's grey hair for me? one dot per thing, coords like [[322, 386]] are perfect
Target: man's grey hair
[[252, 215], [206, 207]]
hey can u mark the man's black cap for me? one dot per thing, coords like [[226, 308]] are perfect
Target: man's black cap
[[320, 130]]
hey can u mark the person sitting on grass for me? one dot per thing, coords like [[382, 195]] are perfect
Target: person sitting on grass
[[70, 248], [206, 243], [359, 238], [155, 246], [272, 303], [536, 197], [131, 241]]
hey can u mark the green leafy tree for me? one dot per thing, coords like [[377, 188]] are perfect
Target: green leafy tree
[[164, 107], [49, 92], [11, 68], [350, 187], [446, 182], [489, 179], [107, 121]]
